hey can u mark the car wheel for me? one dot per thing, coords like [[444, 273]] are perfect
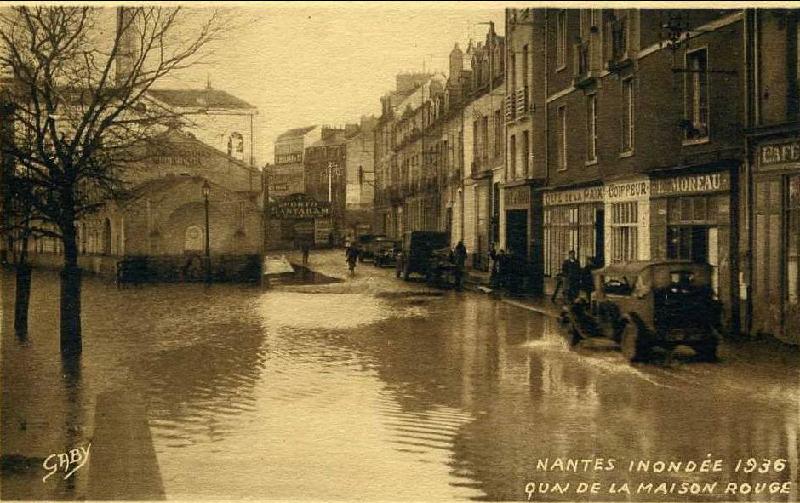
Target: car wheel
[[706, 351], [630, 343]]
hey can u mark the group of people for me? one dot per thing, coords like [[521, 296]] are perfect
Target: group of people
[[506, 270], [573, 279]]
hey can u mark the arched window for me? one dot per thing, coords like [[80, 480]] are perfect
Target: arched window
[[236, 146]]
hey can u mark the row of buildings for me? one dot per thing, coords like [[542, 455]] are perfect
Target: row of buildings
[[325, 167], [622, 134]]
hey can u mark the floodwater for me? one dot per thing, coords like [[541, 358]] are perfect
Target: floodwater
[[376, 389]]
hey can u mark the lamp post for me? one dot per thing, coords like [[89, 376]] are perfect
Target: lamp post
[[206, 191]]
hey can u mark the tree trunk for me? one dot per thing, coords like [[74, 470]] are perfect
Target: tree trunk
[[70, 293], [23, 293]]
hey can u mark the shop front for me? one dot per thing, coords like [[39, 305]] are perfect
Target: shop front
[[573, 221], [775, 241], [522, 206], [627, 220], [690, 219], [517, 201]]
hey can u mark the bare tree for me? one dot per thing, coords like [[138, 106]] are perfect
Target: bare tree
[[80, 107]]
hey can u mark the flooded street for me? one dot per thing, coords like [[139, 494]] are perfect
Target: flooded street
[[376, 389]]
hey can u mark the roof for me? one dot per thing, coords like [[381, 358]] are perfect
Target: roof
[[301, 131], [210, 98]]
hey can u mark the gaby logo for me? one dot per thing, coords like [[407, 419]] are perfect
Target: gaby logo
[[69, 461]]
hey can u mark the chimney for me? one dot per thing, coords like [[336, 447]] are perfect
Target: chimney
[[128, 49]]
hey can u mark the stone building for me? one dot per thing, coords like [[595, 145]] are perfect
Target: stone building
[[286, 176], [635, 142], [214, 117], [770, 185], [324, 164], [484, 149], [359, 175]]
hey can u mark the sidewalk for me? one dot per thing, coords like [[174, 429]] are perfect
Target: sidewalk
[[480, 281]]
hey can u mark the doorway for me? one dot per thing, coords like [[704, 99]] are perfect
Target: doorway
[[517, 232], [599, 237]]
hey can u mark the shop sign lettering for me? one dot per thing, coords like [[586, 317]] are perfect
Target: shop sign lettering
[[587, 195], [629, 190], [518, 197], [781, 153], [299, 206], [713, 182]]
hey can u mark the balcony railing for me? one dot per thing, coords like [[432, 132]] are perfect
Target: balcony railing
[[511, 106], [522, 106]]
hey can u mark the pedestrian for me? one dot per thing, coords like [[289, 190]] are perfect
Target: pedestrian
[[502, 269], [587, 282], [459, 260], [571, 275], [352, 258], [493, 270], [306, 248]]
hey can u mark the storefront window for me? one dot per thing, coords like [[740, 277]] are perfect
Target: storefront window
[[569, 228], [624, 232], [793, 241]]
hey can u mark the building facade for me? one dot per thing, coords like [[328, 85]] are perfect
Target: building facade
[[484, 149], [324, 164], [283, 178], [770, 194], [624, 138]]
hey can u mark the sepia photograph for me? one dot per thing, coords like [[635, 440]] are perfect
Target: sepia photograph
[[400, 251]]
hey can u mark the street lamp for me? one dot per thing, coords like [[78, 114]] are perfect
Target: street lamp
[[206, 191]]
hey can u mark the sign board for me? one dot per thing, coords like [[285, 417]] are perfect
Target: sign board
[[322, 230], [285, 180], [299, 206], [691, 184], [517, 197], [777, 155], [627, 191], [578, 196]]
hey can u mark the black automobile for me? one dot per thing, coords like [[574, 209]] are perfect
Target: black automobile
[[645, 306], [417, 250], [364, 243], [384, 251]]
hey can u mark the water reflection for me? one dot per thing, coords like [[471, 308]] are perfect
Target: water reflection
[[320, 392]]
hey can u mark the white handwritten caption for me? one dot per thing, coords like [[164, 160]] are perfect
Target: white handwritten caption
[[70, 461]]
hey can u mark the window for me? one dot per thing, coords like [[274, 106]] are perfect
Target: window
[[591, 128], [696, 91], [561, 137], [512, 155], [624, 233], [476, 152], [498, 134], [526, 153], [561, 39], [627, 115], [525, 67], [793, 242], [512, 70], [485, 139]]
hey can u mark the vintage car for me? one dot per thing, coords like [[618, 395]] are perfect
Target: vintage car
[[383, 251], [649, 307], [441, 268], [417, 249], [364, 244]]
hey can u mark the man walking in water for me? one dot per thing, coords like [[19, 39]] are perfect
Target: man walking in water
[[459, 260], [352, 258]]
